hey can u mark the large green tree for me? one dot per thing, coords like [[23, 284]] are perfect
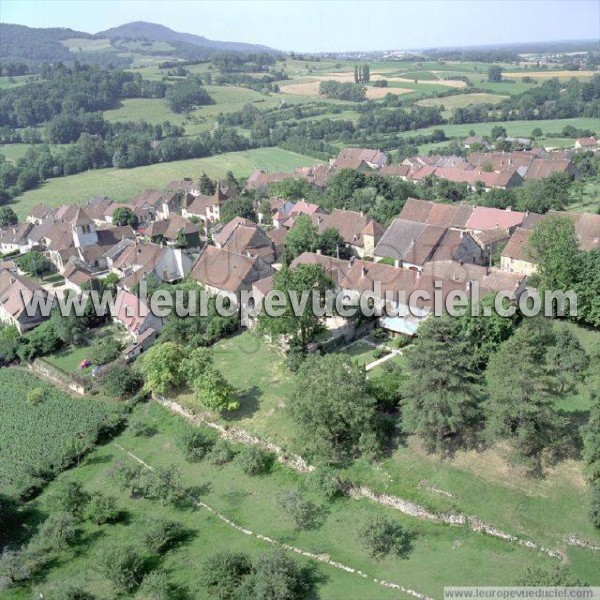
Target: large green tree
[[334, 414], [442, 394], [298, 324], [521, 400], [161, 366], [302, 237]]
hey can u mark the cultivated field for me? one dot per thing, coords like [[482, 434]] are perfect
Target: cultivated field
[[463, 100]]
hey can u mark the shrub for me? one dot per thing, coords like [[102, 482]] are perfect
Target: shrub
[[221, 453], [35, 396], [56, 533], [253, 461], [325, 483], [124, 566], [69, 497], [594, 509], [141, 428], [162, 484], [380, 353], [127, 476], [194, 444], [104, 351], [382, 535], [64, 592], [121, 381], [223, 573], [303, 512], [102, 509], [156, 586], [163, 535]]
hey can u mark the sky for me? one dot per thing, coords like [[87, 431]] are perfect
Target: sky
[[329, 25]]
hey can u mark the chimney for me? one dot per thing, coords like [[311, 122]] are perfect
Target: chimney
[[318, 250], [468, 285], [363, 271], [509, 209]]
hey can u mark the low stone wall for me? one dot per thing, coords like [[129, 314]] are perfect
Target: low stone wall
[[66, 380]]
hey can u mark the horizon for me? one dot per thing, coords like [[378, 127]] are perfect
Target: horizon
[[336, 27]]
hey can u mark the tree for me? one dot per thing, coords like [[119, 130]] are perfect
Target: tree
[[156, 586], [221, 453], [66, 592], [70, 328], [162, 484], [121, 381], [332, 243], [553, 244], [495, 74], [567, 358], [102, 509], [441, 397], [238, 207], [366, 74], [302, 237], [206, 185], [7, 216], [298, 324], [35, 264], [303, 512], [356, 74], [124, 566], [56, 533], [382, 535], [332, 409], [161, 366], [278, 577], [223, 573], [194, 443], [254, 461], [69, 497], [162, 535], [105, 350], [497, 132], [537, 133], [520, 407], [124, 216], [215, 392]]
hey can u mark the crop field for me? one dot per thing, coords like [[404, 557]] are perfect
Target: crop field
[[121, 184], [36, 436], [462, 100], [438, 554], [543, 75]]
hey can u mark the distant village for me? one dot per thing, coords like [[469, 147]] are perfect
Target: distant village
[[179, 234]]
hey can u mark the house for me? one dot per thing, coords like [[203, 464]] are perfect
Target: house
[[39, 213], [460, 246], [587, 228], [132, 262], [300, 208], [277, 237], [410, 245], [174, 231], [490, 280], [220, 270], [261, 180], [476, 140], [400, 171], [184, 186], [393, 287], [360, 159], [9, 265], [245, 237], [516, 257], [506, 179], [544, 167], [76, 277], [587, 143], [360, 233], [454, 216], [16, 295], [141, 324], [334, 267], [491, 241], [205, 208], [13, 238], [483, 218]]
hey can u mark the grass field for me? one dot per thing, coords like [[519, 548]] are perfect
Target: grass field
[[482, 483], [588, 200], [16, 151], [87, 45], [440, 555], [121, 184]]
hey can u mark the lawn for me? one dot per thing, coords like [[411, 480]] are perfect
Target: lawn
[[16, 151], [440, 555], [588, 199], [121, 184], [361, 352], [87, 45]]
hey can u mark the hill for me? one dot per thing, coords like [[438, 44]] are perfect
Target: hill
[[140, 30]]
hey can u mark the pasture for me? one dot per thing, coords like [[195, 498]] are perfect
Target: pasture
[[463, 100], [122, 184], [438, 555], [87, 45]]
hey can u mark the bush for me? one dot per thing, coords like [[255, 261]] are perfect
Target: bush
[[325, 483], [382, 535], [35, 396], [223, 573], [162, 484], [122, 382], [64, 592], [56, 533], [163, 535], [194, 444], [156, 586], [102, 509], [594, 509], [380, 353], [303, 512], [126, 476], [253, 461], [141, 428], [69, 497], [105, 351], [124, 566], [221, 453]]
